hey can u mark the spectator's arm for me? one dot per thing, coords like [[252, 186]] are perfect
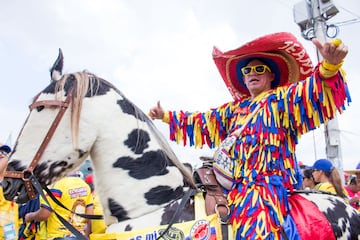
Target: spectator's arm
[[40, 215], [89, 211]]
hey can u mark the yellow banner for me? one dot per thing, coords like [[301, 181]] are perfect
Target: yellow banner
[[207, 228]]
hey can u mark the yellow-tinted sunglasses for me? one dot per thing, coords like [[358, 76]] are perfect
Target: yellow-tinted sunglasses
[[258, 69]]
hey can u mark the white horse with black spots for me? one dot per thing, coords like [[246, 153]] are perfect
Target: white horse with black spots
[[137, 176]]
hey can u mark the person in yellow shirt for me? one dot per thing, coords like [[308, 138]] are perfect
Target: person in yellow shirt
[[328, 178], [8, 209], [75, 194]]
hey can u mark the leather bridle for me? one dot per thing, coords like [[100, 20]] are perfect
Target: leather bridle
[[28, 172], [27, 175]]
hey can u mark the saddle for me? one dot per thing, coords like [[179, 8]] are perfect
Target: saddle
[[215, 199]]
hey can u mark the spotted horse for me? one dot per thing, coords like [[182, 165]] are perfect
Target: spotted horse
[[137, 176]]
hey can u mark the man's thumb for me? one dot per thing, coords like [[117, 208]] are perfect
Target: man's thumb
[[317, 43]]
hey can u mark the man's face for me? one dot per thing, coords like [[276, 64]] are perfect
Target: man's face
[[255, 82]]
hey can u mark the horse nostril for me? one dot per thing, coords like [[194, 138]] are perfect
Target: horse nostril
[[6, 183], [7, 190]]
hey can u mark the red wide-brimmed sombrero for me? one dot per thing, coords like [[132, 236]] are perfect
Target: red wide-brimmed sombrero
[[282, 52]]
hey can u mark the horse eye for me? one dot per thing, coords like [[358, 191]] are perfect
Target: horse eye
[[40, 108]]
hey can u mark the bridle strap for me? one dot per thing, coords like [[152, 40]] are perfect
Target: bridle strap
[[29, 170], [50, 133], [49, 103]]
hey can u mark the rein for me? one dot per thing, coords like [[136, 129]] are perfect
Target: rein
[[28, 172]]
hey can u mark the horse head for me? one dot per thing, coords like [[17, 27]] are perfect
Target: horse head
[[81, 115], [47, 146]]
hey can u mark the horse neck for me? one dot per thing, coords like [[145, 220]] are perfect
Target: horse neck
[[131, 171]]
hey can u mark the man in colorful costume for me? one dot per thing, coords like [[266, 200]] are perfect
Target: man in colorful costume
[[275, 72]]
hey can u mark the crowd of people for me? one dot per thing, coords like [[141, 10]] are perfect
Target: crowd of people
[[324, 176]]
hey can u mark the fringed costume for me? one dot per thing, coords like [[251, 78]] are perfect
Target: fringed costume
[[264, 154]]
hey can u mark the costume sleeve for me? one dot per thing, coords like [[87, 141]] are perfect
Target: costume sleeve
[[199, 128], [315, 101]]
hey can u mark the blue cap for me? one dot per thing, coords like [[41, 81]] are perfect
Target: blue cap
[[5, 148], [323, 165]]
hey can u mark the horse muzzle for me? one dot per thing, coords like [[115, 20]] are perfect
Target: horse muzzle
[[16, 183], [14, 190]]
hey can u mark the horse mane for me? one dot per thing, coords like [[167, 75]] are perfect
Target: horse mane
[[87, 84], [81, 86]]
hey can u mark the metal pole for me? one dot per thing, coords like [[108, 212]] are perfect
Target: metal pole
[[332, 132]]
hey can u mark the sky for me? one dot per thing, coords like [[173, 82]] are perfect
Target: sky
[[158, 50]]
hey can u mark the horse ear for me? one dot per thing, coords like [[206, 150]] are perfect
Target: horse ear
[[57, 67]]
